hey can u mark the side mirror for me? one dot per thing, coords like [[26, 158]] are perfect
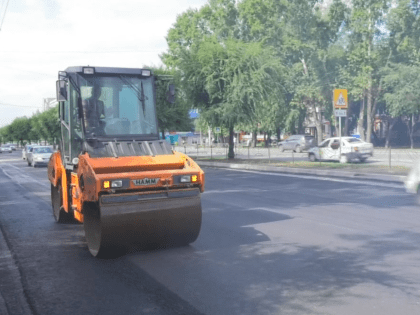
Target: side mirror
[[61, 90], [171, 94]]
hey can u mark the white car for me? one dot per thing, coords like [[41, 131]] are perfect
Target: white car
[[412, 181], [351, 149]]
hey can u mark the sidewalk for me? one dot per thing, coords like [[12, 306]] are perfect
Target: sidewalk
[[12, 294], [363, 171]]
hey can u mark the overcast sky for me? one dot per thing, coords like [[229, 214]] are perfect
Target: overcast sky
[[41, 37]]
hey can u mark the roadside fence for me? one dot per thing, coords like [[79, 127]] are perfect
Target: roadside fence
[[383, 156]]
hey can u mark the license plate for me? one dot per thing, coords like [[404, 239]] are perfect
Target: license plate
[[145, 181]]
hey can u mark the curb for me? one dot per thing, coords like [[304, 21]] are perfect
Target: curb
[[305, 171]]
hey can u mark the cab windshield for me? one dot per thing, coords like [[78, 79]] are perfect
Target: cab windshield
[[117, 105], [42, 150]]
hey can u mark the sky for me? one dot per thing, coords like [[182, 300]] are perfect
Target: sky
[[38, 38]]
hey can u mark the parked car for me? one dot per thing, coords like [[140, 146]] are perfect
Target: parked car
[[5, 148], [39, 155], [351, 149], [412, 181], [297, 143], [25, 150]]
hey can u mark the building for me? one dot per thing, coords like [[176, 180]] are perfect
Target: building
[[49, 103]]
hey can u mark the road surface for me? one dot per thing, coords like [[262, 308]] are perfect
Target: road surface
[[270, 244]]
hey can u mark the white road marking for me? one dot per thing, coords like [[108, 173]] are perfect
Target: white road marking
[[338, 180], [10, 160], [22, 178], [7, 203], [233, 191], [42, 194]]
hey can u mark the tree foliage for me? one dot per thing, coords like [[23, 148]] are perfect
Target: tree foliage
[[41, 126], [171, 116]]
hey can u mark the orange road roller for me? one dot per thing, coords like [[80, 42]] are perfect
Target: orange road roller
[[112, 172]]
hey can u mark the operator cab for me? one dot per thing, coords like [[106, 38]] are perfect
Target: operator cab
[[108, 112]]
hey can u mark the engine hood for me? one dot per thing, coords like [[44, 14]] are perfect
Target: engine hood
[[135, 163]]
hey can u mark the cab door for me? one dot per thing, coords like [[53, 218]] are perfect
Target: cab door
[[65, 130]]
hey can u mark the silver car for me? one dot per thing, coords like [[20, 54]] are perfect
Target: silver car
[[297, 143], [5, 148], [39, 155]]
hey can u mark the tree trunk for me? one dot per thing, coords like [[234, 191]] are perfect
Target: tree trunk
[[231, 153], [210, 142], [369, 114], [319, 132], [346, 123], [318, 123], [390, 125], [413, 122], [360, 123], [254, 138]]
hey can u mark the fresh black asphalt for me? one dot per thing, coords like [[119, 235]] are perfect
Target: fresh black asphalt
[[270, 244]]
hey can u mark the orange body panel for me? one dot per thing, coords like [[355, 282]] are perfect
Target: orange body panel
[[76, 195], [126, 168], [55, 168], [87, 184], [135, 163], [57, 172]]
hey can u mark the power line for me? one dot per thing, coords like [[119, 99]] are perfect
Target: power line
[[4, 14], [81, 52], [1, 6], [14, 105]]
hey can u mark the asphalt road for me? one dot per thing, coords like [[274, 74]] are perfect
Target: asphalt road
[[270, 244]]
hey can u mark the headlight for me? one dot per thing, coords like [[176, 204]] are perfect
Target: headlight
[[118, 183], [185, 179], [38, 158]]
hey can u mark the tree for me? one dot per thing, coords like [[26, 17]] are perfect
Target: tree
[[230, 81], [305, 38], [403, 94], [368, 53], [19, 129], [171, 116]]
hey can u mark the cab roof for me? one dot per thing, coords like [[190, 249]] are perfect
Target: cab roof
[[108, 70]]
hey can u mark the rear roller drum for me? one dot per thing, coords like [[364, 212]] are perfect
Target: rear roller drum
[[60, 215]]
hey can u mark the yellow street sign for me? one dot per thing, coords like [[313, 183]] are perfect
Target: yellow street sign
[[340, 99]]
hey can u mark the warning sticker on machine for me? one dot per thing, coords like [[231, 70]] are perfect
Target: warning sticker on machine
[[145, 181]]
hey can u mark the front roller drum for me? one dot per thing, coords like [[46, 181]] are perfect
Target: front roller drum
[[160, 220]]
